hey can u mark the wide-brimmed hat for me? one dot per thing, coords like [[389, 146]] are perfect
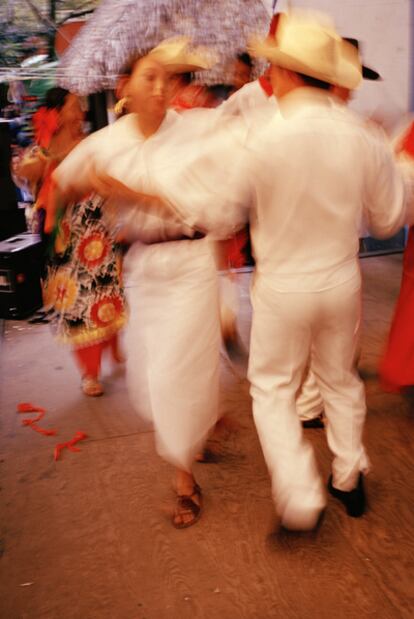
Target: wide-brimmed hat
[[367, 73], [179, 56], [308, 43]]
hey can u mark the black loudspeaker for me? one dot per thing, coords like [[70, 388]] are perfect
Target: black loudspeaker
[[12, 219], [20, 267], [12, 222], [8, 190]]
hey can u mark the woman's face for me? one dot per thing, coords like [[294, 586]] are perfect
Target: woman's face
[[148, 88], [71, 113]]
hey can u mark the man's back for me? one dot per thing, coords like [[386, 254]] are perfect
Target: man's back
[[316, 170]]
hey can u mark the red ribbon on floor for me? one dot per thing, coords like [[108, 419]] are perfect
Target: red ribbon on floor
[[27, 407], [79, 436]]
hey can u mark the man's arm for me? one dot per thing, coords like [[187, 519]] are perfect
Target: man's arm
[[386, 202]]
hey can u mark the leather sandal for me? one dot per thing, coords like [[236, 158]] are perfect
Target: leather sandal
[[186, 506], [91, 386]]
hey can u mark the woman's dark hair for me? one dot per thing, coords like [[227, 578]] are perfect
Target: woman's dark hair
[[55, 98], [129, 66], [187, 78], [314, 82], [246, 59]]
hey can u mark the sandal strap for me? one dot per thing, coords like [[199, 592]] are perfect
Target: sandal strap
[[91, 386], [196, 491], [186, 505]]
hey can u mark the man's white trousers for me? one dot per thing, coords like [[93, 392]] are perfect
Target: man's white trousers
[[287, 330]]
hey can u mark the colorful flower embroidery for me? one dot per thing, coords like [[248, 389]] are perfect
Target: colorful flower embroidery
[[83, 277], [62, 291], [92, 250], [106, 310]]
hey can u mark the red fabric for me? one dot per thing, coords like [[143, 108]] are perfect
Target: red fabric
[[266, 85], [45, 124], [79, 436], [407, 144], [274, 25], [234, 247], [397, 365], [27, 407], [89, 357], [192, 96]]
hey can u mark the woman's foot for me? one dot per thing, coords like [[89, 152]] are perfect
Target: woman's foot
[[187, 508], [91, 386], [189, 500]]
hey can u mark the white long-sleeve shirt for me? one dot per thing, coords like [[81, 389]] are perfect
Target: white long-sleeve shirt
[[315, 171], [250, 102], [311, 173], [181, 163]]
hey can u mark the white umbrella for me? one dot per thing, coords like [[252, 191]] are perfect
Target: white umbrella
[[119, 29]]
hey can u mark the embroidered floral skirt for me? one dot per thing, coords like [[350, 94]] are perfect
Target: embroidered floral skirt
[[84, 282]]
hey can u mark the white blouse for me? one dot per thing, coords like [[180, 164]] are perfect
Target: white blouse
[[185, 162]]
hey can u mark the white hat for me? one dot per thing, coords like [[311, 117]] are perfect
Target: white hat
[[177, 55], [308, 43]]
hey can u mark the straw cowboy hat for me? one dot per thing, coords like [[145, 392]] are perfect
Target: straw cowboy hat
[[367, 72], [178, 56], [308, 43]]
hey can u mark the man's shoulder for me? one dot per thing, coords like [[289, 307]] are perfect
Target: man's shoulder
[[249, 93], [252, 91]]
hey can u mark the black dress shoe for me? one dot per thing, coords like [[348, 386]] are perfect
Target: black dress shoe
[[354, 500], [316, 422]]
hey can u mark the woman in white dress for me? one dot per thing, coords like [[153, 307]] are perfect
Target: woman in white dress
[[173, 336]]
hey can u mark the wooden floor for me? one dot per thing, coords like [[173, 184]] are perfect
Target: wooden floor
[[88, 537]]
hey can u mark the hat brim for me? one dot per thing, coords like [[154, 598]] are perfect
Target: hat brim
[[348, 75], [370, 74], [183, 67], [176, 56]]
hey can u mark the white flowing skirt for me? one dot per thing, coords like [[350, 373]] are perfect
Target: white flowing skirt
[[173, 342]]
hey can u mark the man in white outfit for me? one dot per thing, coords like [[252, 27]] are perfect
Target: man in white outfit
[[313, 173], [255, 102]]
